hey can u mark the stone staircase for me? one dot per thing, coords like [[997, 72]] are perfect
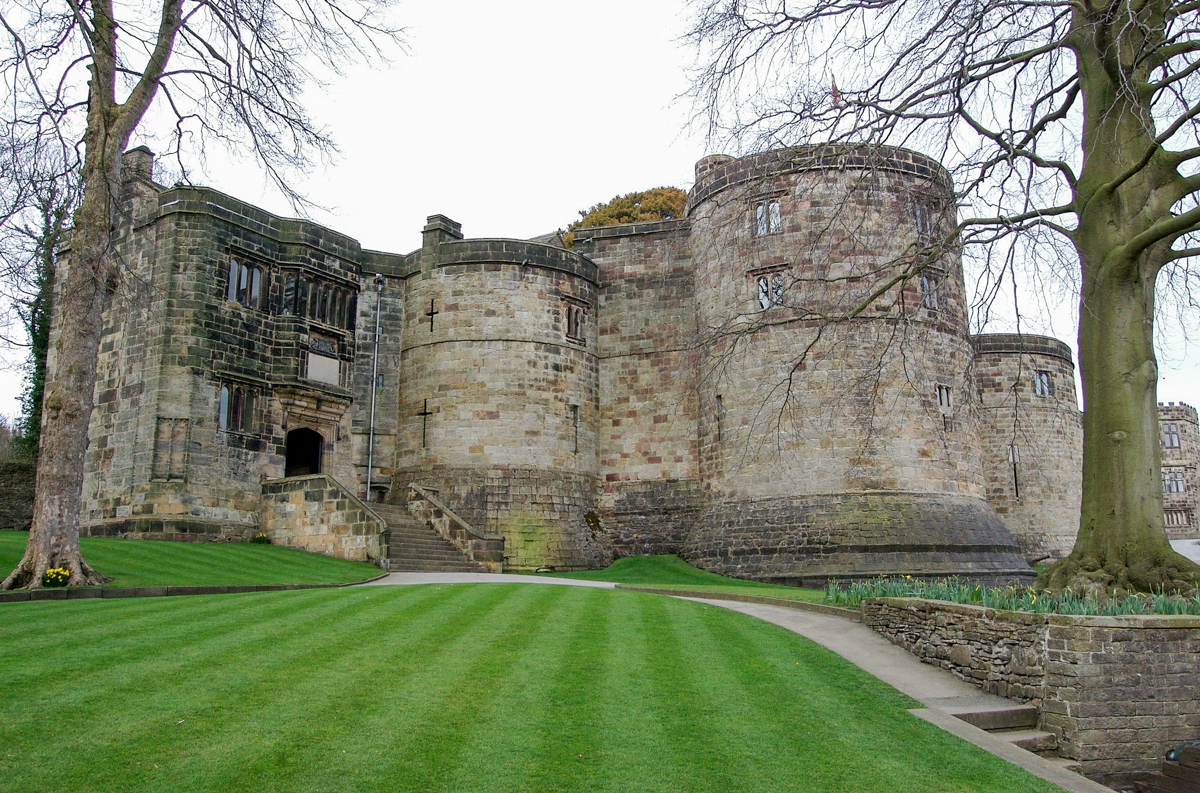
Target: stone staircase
[[1017, 724], [414, 547]]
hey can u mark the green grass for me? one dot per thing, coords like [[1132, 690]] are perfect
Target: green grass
[[133, 563], [671, 572], [471, 688]]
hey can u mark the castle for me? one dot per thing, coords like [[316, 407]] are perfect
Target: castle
[[780, 385]]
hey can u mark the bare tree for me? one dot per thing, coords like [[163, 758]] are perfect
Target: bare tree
[[1071, 130], [84, 77]]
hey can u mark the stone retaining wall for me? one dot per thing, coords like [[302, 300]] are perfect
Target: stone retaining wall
[[315, 513], [1116, 691]]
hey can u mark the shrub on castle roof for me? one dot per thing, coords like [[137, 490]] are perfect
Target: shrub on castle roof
[[660, 203]]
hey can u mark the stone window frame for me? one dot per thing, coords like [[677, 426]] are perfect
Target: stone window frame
[[575, 318], [924, 209], [245, 283], [237, 408], [766, 215], [1043, 383], [1175, 518], [768, 286], [1174, 482], [944, 396], [324, 301], [930, 285], [1170, 435]]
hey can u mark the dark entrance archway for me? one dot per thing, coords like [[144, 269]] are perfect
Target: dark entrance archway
[[303, 452]]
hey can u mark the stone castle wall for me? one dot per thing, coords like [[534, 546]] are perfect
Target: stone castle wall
[[315, 513], [834, 442], [1037, 493], [509, 395], [1179, 508], [650, 497]]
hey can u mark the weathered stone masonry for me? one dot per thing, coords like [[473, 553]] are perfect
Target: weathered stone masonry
[[666, 387], [1117, 692]]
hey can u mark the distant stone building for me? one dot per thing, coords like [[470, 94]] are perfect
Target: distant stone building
[[760, 386], [1180, 445]]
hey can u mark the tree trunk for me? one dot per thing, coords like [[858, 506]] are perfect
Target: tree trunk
[[1121, 542], [67, 406]]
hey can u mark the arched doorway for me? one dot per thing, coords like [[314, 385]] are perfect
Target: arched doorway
[[303, 452]]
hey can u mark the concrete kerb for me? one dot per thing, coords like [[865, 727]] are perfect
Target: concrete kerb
[[86, 593]]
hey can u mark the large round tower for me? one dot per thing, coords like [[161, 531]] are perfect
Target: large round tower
[[499, 391], [838, 425]]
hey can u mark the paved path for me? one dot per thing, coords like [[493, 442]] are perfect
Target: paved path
[[400, 579], [942, 693], [1189, 548]]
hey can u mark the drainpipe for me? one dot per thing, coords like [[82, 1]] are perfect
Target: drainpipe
[[374, 384]]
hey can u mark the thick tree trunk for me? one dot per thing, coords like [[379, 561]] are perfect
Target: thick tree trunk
[[67, 405], [1121, 541]]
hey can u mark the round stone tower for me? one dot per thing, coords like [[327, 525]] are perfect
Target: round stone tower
[[499, 391], [839, 431], [1032, 439]]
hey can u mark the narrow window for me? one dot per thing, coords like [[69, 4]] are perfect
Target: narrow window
[[575, 423], [302, 298], [777, 289], [1170, 436], [223, 409], [922, 216], [929, 292], [1041, 384], [768, 219], [289, 294], [351, 303], [235, 414], [764, 292], [1014, 457], [248, 413], [243, 284], [575, 318], [322, 302], [720, 416], [255, 287], [231, 290], [943, 396]]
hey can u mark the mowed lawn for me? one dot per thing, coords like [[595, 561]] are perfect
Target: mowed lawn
[[134, 563], [470, 687], [671, 572]]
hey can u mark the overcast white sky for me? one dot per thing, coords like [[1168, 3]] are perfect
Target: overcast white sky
[[509, 118]]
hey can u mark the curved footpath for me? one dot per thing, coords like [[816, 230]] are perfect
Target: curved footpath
[[943, 694]]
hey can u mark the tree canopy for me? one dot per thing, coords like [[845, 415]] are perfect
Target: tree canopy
[[659, 203]]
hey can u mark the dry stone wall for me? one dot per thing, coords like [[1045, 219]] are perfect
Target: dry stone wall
[[1117, 692]]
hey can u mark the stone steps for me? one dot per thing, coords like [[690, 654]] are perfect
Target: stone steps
[[416, 548], [1016, 724], [993, 719]]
